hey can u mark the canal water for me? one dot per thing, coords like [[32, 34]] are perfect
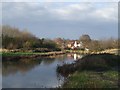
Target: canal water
[[35, 73]]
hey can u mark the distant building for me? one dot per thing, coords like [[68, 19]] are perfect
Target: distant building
[[70, 44], [75, 44]]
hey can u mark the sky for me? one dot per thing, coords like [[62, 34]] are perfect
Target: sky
[[67, 20]]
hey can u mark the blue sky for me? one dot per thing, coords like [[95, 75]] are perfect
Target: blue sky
[[67, 20]]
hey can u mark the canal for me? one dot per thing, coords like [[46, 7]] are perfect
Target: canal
[[35, 73]]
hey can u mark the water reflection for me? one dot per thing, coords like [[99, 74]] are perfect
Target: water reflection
[[34, 73], [0, 78], [75, 56], [22, 66]]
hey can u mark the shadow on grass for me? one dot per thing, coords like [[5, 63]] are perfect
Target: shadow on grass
[[94, 62], [92, 71]]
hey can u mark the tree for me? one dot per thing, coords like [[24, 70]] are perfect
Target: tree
[[50, 44], [94, 45], [60, 42], [109, 43], [85, 39]]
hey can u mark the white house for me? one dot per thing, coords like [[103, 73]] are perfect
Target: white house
[[77, 44]]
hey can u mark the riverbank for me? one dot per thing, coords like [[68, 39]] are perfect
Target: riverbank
[[110, 51], [19, 55], [22, 55], [92, 71]]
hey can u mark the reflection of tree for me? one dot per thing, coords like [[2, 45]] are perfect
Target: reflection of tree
[[0, 64], [48, 61], [60, 79], [62, 57], [24, 65]]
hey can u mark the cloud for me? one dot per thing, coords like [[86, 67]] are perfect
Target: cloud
[[79, 11], [107, 13], [60, 0], [50, 17], [72, 11], [85, 11]]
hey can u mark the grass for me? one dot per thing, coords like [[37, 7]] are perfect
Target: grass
[[20, 53], [113, 75], [90, 79], [92, 71], [26, 53]]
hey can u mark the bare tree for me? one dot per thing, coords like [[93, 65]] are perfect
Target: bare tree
[[85, 39]]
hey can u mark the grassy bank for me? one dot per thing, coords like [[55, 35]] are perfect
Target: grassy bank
[[110, 51], [92, 71], [90, 79], [19, 55]]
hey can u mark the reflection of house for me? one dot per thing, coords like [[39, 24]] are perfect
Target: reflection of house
[[75, 56]]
